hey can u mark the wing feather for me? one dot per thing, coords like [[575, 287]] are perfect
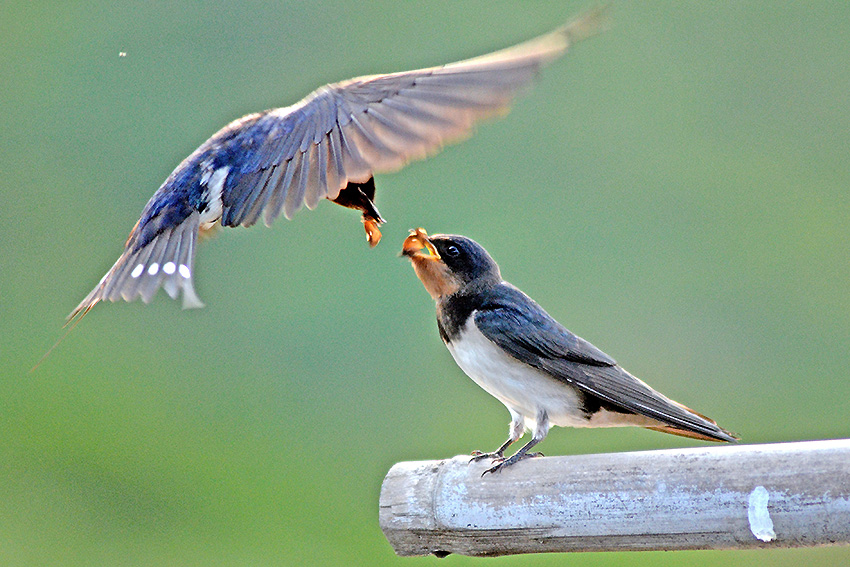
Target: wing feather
[[275, 194], [279, 193], [394, 127], [272, 149], [317, 182], [254, 183], [253, 213], [372, 149], [354, 165], [336, 164], [295, 191], [416, 116], [301, 128], [259, 197]]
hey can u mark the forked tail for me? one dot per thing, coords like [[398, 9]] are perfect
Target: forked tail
[[166, 261]]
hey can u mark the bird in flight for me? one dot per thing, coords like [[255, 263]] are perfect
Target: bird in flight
[[326, 146], [519, 354]]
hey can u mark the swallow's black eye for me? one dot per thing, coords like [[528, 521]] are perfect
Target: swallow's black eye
[[452, 251]]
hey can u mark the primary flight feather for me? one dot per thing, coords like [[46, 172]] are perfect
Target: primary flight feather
[[327, 146]]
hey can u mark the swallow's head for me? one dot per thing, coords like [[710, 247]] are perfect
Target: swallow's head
[[448, 262]]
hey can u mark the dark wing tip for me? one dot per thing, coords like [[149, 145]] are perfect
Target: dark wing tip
[[719, 434], [710, 428]]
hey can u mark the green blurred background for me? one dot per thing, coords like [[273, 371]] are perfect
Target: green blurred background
[[675, 191]]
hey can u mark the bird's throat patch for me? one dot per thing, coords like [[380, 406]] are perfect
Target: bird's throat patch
[[438, 280]]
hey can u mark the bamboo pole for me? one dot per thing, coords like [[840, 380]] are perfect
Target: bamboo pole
[[722, 497]]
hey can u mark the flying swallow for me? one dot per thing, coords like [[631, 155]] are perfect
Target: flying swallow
[[544, 374], [327, 146]]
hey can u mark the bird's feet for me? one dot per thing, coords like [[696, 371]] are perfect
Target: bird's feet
[[513, 459], [479, 456]]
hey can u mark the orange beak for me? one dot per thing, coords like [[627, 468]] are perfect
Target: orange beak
[[432, 271]]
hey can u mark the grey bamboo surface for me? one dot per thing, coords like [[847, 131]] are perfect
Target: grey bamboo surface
[[719, 497]]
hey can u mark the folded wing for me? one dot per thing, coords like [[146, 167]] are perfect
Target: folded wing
[[533, 337]]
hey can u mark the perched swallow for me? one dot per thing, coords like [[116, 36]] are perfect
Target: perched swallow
[[327, 146], [518, 353]]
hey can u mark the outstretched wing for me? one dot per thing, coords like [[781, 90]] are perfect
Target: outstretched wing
[[344, 132], [530, 335]]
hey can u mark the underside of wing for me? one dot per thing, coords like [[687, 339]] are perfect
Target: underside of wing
[[345, 132]]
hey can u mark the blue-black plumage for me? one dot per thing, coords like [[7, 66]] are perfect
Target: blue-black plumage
[[327, 146], [544, 374]]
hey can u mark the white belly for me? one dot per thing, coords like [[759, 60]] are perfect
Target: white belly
[[524, 389]]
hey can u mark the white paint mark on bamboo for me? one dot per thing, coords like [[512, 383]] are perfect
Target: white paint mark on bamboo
[[760, 523]]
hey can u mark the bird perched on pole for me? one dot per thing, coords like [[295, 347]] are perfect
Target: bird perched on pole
[[327, 146], [518, 353]]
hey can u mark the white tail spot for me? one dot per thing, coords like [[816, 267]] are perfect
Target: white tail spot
[[184, 271], [154, 268], [137, 271], [169, 268]]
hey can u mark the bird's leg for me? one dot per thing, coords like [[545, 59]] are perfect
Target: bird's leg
[[541, 428], [515, 431], [361, 196]]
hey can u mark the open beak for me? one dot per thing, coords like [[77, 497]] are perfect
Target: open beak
[[417, 242]]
